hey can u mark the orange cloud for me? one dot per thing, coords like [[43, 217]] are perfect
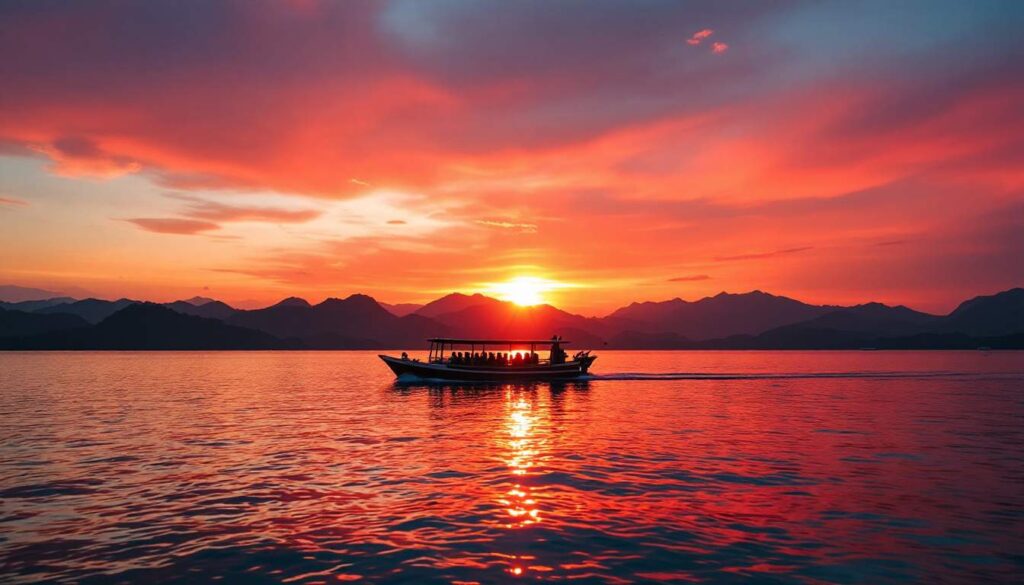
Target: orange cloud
[[610, 160], [171, 225]]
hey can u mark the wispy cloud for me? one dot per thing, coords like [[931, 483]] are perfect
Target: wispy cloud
[[508, 225], [692, 278], [173, 225], [77, 156], [760, 255], [221, 212], [12, 202], [718, 47]]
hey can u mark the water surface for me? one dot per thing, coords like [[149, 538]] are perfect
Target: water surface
[[714, 467]]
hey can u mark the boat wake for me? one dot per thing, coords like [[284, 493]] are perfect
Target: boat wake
[[786, 375]]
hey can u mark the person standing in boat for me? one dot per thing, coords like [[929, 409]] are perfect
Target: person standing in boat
[[557, 353]]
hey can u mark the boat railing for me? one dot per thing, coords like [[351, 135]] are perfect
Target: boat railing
[[479, 364]]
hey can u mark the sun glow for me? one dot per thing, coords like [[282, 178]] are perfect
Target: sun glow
[[524, 291]]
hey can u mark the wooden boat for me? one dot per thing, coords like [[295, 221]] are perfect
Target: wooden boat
[[472, 367]]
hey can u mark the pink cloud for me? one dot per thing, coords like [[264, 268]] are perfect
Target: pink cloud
[[699, 36], [718, 47], [12, 202]]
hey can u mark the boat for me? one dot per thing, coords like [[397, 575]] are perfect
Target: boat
[[481, 360]]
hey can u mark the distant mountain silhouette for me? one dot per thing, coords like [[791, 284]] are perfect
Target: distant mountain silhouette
[[354, 322], [210, 309], [10, 293], [719, 316], [197, 300], [92, 310], [292, 302], [401, 309], [454, 302], [148, 326], [755, 320], [31, 306], [993, 321], [993, 315], [872, 318], [20, 323]]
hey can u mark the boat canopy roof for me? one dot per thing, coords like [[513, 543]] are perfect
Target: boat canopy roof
[[446, 341]]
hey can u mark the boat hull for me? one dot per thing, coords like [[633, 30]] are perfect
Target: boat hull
[[568, 370]]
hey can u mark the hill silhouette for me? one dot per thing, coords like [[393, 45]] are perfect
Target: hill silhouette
[[209, 309], [719, 316], [357, 321], [455, 302], [92, 310], [401, 309], [998, 314], [148, 326], [21, 323], [30, 306], [754, 320], [10, 293]]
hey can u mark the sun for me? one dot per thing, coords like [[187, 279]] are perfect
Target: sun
[[524, 291]]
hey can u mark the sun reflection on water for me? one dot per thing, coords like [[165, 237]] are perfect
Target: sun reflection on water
[[521, 442], [520, 504]]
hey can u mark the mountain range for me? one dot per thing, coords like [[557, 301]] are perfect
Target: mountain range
[[753, 320]]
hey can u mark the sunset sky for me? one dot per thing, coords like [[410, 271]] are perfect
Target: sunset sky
[[835, 152]]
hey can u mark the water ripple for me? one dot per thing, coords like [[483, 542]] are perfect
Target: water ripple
[[848, 467]]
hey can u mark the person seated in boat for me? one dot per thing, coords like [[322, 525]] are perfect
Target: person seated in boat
[[405, 355], [534, 358], [517, 360]]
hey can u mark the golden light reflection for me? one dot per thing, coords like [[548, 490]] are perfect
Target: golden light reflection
[[521, 507], [522, 442]]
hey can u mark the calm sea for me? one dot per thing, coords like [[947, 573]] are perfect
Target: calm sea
[[716, 467]]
